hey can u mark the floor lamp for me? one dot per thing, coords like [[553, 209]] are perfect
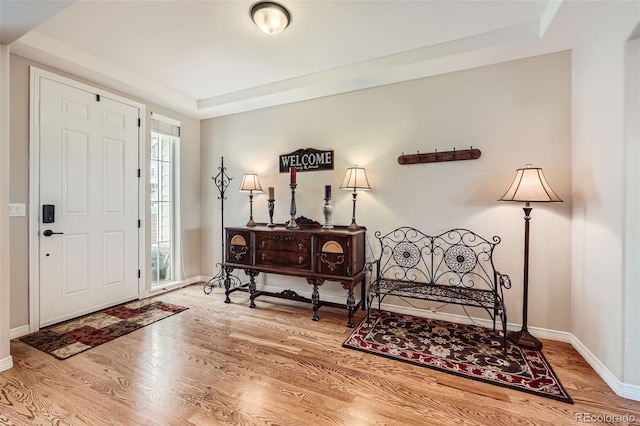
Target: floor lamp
[[250, 184], [354, 179], [528, 186]]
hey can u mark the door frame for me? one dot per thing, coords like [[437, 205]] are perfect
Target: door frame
[[36, 74]]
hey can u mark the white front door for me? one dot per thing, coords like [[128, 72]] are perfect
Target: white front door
[[88, 255]]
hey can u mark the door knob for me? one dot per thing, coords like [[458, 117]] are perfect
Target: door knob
[[49, 232]]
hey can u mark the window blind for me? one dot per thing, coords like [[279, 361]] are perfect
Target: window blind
[[165, 125]]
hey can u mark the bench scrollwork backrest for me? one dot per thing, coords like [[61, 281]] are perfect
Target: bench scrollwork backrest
[[458, 257]]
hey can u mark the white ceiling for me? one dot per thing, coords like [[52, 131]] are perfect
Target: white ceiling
[[206, 58]]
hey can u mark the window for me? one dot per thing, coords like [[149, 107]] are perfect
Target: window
[[165, 143]]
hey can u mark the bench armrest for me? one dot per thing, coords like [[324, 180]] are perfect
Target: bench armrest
[[503, 281], [368, 267]]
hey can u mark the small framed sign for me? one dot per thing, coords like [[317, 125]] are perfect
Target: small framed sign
[[306, 160]]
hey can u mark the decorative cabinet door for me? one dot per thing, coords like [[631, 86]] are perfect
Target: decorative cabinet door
[[333, 255], [238, 247]]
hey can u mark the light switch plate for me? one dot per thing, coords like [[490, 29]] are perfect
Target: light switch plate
[[17, 209]]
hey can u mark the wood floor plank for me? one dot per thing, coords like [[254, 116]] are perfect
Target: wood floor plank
[[227, 364]]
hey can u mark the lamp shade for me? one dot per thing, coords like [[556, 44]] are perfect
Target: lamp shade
[[272, 18], [250, 183], [529, 185], [354, 179]]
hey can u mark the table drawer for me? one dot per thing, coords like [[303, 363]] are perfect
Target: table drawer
[[283, 242], [287, 259]]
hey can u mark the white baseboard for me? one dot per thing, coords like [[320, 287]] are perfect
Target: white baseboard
[[14, 333], [174, 285], [628, 391], [624, 390], [545, 333], [6, 363], [202, 279]]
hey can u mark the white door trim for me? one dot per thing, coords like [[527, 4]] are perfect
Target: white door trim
[[34, 178]]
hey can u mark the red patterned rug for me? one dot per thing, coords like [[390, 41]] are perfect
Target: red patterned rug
[[469, 351], [78, 335]]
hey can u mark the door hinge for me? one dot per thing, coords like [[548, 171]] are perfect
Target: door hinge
[[97, 97], [139, 123], [138, 172], [139, 223], [139, 273]]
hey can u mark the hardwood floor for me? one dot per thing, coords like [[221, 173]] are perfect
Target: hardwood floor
[[219, 364]]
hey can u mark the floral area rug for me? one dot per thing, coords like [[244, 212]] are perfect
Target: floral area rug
[[78, 335], [469, 351]]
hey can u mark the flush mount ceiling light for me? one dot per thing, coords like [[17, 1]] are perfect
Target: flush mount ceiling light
[[270, 17]]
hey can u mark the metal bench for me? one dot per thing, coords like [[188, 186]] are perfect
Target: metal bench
[[453, 267]]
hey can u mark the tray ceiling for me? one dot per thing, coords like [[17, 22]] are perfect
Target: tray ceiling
[[207, 58]]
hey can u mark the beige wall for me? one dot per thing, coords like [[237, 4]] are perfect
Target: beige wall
[[19, 192], [5, 357], [605, 192], [516, 113]]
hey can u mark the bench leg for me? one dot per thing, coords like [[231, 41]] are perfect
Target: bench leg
[[495, 317], [504, 332]]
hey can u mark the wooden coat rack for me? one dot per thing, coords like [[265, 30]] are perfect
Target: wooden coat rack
[[435, 157]]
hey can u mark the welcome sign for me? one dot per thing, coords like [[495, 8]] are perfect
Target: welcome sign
[[307, 159]]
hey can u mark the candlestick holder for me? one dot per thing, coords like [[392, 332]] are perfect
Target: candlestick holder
[[292, 210], [270, 206], [327, 211]]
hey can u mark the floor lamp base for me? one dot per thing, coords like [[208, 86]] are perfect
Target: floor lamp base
[[524, 338]]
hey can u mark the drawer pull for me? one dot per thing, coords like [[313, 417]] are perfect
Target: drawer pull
[[300, 246], [263, 244], [300, 260], [264, 256]]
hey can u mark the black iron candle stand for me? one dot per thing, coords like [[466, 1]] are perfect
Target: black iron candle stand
[[270, 207]]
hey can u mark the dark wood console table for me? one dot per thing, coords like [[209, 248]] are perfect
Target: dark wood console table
[[316, 254]]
